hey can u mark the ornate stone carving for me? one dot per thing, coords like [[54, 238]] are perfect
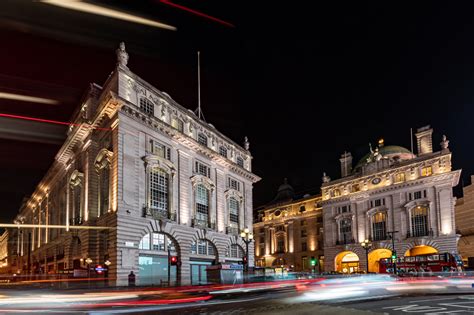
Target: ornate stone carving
[[103, 159], [122, 55], [326, 179], [76, 178], [246, 143], [444, 143]]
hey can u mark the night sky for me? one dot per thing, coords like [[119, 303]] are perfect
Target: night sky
[[304, 84]]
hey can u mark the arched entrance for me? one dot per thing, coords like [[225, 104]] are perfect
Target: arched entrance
[[375, 256], [154, 251], [203, 254], [347, 262], [421, 250]]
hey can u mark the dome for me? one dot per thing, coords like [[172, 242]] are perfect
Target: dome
[[285, 193], [389, 151]]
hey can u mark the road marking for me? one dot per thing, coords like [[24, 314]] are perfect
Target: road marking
[[431, 300]]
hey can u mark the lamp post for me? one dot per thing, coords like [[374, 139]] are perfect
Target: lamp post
[[394, 252], [88, 262], [366, 245], [107, 263], [247, 237]]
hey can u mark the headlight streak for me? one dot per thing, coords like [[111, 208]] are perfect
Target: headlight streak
[[27, 98]]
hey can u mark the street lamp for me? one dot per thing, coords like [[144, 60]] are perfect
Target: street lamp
[[247, 237], [107, 263], [366, 245], [88, 262]]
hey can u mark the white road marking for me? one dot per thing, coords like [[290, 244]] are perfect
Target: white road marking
[[430, 300]]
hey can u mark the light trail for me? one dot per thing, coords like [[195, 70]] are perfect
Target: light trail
[[49, 121], [26, 98], [78, 227], [170, 3], [81, 6]]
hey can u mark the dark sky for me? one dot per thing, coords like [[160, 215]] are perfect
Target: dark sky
[[303, 83]]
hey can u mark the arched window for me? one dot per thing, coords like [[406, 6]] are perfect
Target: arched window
[[202, 139], [240, 161], [202, 205], [236, 251], [379, 226], [202, 247], [157, 242], [234, 212], [147, 106], [158, 185], [76, 211], [345, 231], [419, 221], [223, 151], [145, 242], [104, 175]]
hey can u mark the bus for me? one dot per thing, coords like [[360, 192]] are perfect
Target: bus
[[443, 262]]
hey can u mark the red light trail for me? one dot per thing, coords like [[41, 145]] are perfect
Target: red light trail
[[48, 121], [170, 3]]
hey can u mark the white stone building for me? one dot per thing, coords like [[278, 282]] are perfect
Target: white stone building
[[163, 182], [390, 189]]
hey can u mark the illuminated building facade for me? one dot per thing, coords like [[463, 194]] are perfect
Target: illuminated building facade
[[390, 190], [161, 180], [465, 224], [289, 232]]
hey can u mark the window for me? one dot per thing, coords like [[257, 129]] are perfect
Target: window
[[261, 247], [304, 246], [147, 106], [159, 149], [240, 161], [202, 169], [158, 189], [319, 219], [336, 193], [202, 203], [104, 190], [236, 251], [344, 209], [158, 241], [223, 151], [261, 239], [400, 177], [419, 221], [379, 226], [145, 242], [233, 184], [345, 231], [202, 139], [304, 262], [303, 222], [280, 245], [177, 124], [355, 188], [304, 233], [417, 195], [302, 208], [234, 211], [202, 247], [427, 171], [77, 204]]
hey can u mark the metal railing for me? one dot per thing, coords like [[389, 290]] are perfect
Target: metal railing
[[232, 230]]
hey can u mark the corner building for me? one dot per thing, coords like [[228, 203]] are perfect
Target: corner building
[[390, 190], [160, 180]]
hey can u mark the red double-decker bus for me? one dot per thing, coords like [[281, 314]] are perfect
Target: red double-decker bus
[[423, 263]]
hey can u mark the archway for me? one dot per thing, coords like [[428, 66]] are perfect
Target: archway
[[375, 256], [421, 250], [347, 262]]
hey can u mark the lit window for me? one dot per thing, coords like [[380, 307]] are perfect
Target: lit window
[[147, 106], [177, 124], [202, 139], [379, 226], [355, 188], [223, 151], [234, 211], [345, 231], [158, 190], [427, 171], [400, 177], [419, 221]]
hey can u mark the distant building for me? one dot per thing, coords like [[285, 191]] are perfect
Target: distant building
[[390, 189], [289, 231], [157, 179], [465, 224]]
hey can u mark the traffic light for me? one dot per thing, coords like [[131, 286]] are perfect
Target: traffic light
[[173, 260], [244, 260], [394, 256], [313, 261]]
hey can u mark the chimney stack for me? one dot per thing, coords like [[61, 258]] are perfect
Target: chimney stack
[[346, 164], [424, 140]]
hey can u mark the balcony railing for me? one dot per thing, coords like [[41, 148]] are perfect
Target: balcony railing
[[411, 234], [75, 221], [232, 230], [377, 238], [344, 242], [203, 224], [159, 214]]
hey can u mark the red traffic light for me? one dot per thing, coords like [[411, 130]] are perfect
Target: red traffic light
[[173, 260], [245, 260]]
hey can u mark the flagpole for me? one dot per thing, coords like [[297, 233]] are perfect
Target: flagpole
[[199, 85]]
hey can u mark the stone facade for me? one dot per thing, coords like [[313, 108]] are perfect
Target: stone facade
[[465, 224], [150, 178], [289, 232], [390, 189]]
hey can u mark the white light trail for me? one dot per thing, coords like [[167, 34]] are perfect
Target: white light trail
[[43, 226], [26, 98], [78, 5]]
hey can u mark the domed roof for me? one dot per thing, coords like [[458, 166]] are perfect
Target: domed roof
[[389, 151], [285, 193]]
